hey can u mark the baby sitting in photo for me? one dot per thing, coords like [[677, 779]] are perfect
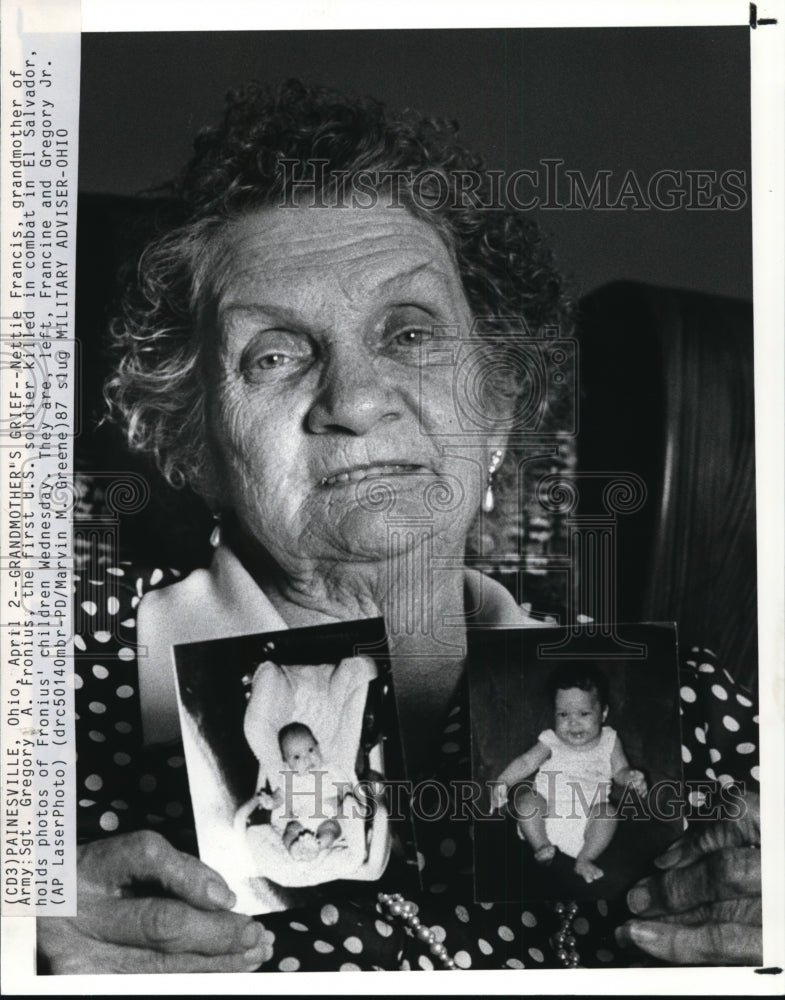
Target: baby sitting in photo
[[568, 806], [306, 806]]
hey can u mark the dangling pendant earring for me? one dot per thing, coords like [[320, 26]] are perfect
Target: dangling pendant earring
[[215, 534], [488, 501]]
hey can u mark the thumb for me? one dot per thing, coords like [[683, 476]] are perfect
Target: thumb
[[115, 865]]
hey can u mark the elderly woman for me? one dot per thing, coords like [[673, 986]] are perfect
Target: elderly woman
[[292, 353]]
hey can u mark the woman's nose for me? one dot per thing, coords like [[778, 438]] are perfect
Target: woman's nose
[[352, 397]]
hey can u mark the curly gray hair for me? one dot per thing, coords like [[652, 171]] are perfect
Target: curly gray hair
[[157, 389]]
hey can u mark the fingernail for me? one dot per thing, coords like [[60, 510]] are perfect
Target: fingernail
[[622, 934], [638, 898], [251, 936], [643, 934], [254, 957], [669, 858], [220, 895]]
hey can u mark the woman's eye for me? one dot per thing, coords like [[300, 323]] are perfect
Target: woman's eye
[[275, 353], [409, 345], [406, 328], [274, 360], [413, 337]]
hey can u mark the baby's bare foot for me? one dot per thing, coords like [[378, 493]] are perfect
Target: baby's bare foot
[[588, 870], [545, 854]]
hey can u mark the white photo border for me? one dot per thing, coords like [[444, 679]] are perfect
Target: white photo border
[[768, 141]]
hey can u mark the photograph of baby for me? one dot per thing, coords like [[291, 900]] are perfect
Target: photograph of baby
[[290, 739], [305, 779], [577, 753]]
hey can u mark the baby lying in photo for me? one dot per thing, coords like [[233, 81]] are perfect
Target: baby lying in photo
[[306, 806], [567, 806]]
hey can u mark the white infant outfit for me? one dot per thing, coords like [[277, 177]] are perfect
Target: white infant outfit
[[310, 798], [558, 780]]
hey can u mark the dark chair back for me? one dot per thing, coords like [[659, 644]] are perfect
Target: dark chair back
[[667, 392]]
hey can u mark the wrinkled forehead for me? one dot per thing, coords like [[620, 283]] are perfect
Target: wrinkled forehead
[[298, 251]]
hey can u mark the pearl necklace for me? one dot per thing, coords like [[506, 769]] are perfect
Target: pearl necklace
[[563, 941], [397, 906]]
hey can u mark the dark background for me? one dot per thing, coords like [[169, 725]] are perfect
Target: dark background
[[644, 99]]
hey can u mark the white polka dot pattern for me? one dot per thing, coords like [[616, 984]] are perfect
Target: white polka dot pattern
[[129, 789], [109, 822]]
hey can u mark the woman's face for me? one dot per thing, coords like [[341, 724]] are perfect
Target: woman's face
[[331, 380]]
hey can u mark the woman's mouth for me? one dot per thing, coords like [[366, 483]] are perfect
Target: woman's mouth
[[359, 472]]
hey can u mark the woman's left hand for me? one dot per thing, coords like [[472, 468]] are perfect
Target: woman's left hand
[[705, 906]]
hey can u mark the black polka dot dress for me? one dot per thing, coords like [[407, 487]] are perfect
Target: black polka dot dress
[[123, 786]]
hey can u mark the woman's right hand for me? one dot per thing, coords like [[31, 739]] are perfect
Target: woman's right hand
[[704, 906], [188, 928]]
